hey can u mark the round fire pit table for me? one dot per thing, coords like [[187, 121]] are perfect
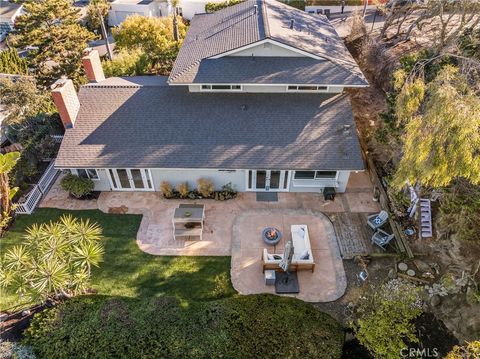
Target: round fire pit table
[[271, 235]]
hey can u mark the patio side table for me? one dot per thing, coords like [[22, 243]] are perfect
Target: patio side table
[[270, 277]]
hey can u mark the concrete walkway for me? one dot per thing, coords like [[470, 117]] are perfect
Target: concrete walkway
[[328, 281]]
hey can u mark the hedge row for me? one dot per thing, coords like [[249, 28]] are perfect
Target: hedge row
[[255, 326]]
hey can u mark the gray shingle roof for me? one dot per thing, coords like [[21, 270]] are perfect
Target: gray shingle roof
[[123, 123], [272, 70], [238, 26]]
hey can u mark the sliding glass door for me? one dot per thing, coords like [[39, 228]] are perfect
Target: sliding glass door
[[130, 179]]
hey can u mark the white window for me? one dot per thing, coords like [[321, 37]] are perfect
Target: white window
[[87, 173], [307, 88], [310, 175], [221, 87]]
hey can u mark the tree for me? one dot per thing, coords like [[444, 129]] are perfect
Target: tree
[[12, 63], [55, 260], [385, 314], [154, 37], [7, 162], [51, 29], [127, 63], [442, 136], [445, 19], [471, 350], [96, 10], [22, 101]]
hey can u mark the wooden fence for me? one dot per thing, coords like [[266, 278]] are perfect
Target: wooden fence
[[400, 238]]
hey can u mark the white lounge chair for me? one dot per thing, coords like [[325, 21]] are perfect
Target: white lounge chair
[[382, 238], [376, 221]]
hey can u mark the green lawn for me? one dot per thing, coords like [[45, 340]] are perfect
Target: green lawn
[[129, 272]]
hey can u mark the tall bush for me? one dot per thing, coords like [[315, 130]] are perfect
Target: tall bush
[[77, 186], [384, 318], [55, 259]]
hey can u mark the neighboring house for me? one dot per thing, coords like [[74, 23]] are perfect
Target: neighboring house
[[256, 99], [120, 9], [8, 13]]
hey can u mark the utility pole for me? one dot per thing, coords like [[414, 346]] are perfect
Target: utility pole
[[105, 35], [175, 25], [365, 3]]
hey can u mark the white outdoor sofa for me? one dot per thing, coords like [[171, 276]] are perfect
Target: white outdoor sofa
[[302, 252]]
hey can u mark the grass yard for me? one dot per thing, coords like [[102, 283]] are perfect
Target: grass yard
[[128, 272]]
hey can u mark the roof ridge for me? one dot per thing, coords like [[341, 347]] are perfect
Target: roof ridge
[[264, 18]]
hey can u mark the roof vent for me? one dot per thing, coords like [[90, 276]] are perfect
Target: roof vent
[[255, 8], [292, 22], [244, 107]]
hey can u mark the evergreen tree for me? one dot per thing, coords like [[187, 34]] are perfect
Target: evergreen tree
[[154, 37], [442, 138], [52, 28], [12, 63]]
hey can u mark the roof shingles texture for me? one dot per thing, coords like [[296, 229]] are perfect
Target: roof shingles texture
[[240, 25], [157, 126]]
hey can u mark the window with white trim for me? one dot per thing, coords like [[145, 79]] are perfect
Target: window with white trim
[[307, 88], [221, 88], [312, 175], [87, 173]]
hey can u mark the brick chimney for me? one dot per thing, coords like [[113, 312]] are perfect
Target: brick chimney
[[66, 99], [92, 65]]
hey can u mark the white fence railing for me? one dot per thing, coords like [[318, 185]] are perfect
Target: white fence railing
[[41, 188]]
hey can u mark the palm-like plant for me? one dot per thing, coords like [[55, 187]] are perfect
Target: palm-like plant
[[55, 259], [7, 162]]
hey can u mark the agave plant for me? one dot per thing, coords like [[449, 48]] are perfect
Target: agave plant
[[55, 259]]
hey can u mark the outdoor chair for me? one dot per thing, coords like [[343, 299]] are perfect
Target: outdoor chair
[[382, 238], [377, 221]]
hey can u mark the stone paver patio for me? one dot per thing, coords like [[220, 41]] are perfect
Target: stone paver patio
[[232, 228], [325, 284]]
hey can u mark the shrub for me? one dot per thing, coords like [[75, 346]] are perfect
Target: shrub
[[460, 211], [214, 6], [384, 318], [55, 259], [167, 190], [183, 189], [78, 187], [253, 326], [205, 187]]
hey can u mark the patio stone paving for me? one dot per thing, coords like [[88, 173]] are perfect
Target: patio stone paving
[[326, 283], [155, 235]]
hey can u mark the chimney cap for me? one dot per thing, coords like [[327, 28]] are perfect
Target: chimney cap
[[87, 51], [59, 83]]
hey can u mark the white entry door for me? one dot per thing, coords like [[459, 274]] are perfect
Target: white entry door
[[130, 179], [268, 180]]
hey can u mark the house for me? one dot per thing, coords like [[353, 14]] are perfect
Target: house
[[255, 98], [121, 9], [8, 13]]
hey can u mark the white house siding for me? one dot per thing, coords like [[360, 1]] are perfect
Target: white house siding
[[267, 50], [191, 7], [266, 88], [317, 185], [218, 177], [121, 10]]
